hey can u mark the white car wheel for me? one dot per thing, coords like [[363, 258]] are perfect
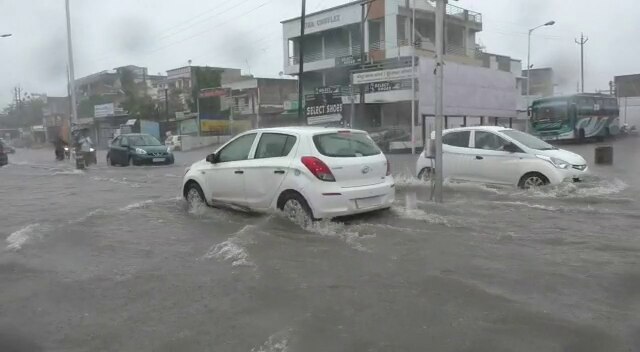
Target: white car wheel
[[297, 210], [533, 180]]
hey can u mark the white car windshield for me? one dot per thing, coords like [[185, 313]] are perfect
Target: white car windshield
[[529, 140]]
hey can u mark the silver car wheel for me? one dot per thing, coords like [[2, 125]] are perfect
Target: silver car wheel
[[533, 181]]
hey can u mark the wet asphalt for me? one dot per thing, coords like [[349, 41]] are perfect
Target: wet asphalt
[[112, 259]]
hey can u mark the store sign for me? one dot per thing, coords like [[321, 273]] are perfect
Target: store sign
[[348, 61], [382, 75], [323, 108], [389, 86], [103, 110], [290, 105], [328, 90], [323, 22]]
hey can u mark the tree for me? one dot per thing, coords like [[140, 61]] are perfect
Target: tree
[[23, 113], [137, 102]]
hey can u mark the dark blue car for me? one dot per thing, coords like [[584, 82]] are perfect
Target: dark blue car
[[138, 149]]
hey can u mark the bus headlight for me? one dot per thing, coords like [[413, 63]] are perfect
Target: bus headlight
[[558, 163]]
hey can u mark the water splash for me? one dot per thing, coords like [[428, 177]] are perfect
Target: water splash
[[18, 238], [419, 214], [137, 205], [278, 342], [233, 249]]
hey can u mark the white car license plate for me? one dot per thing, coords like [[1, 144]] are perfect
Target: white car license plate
[[158, 160], [364, 203]]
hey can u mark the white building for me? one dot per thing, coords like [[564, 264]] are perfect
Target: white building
[[332, 47]]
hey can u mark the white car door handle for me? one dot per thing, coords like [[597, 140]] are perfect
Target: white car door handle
[[240, 172], [478, 157], [280, 172]]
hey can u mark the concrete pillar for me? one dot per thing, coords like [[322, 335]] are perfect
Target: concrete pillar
[[391, 28]]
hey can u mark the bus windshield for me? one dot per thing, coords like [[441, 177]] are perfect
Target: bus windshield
[[550, 110]]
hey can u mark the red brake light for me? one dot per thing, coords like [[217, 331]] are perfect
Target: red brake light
[[388, 168], [318, 168]]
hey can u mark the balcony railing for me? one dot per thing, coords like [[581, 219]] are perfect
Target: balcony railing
[[458, 12], [331, 53]]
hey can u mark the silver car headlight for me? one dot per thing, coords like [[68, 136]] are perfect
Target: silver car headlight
[[558, 163], [91, 150], [141, 151], [168, 149]]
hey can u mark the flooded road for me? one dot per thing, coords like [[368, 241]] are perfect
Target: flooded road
[[112, 259]]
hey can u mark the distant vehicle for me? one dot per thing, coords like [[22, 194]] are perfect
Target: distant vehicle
[[174, 142], [575, 117], [138, 149], [9, 149], [498, 155], [313, 172], [4, 159]]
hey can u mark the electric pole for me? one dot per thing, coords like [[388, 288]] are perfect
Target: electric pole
[[166, 103], [301, 63], [439, 97], [363, 19], [583, 40]]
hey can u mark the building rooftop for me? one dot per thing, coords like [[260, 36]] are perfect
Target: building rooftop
[[357, 2]]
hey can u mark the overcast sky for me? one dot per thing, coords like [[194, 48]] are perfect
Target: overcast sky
[[247, 34]]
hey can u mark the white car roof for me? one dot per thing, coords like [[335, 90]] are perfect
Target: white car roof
[[304, 130], [478, 128]]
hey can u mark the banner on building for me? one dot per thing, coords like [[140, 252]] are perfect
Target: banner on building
[[213, 92], [394, 74], [104, 110], [189, 126], [323, 108]]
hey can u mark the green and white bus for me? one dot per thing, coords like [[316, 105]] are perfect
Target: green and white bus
[[578, 116]]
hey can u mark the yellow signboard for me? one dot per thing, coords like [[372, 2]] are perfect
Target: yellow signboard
[[222, 126]]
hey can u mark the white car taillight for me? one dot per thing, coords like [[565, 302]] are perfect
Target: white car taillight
[[318, 168], [388, 168]]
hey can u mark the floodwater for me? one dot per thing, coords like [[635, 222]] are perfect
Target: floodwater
[[112, 259]]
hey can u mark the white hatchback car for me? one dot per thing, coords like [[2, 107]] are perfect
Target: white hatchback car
[[323, 172], [498, 155]]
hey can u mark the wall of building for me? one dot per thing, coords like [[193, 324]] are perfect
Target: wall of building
[[469, 90]]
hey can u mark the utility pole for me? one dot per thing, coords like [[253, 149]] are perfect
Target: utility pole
[[439, 97], [166, 103], [301, 63], [363, 19], [583, 40], [413, 78]]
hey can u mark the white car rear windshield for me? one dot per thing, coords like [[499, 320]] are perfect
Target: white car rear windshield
[[345, 145]]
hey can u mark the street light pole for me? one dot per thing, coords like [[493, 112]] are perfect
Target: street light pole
[[550, 23], [72, 78]]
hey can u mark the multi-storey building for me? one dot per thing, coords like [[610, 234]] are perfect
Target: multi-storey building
[[333, 45]]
